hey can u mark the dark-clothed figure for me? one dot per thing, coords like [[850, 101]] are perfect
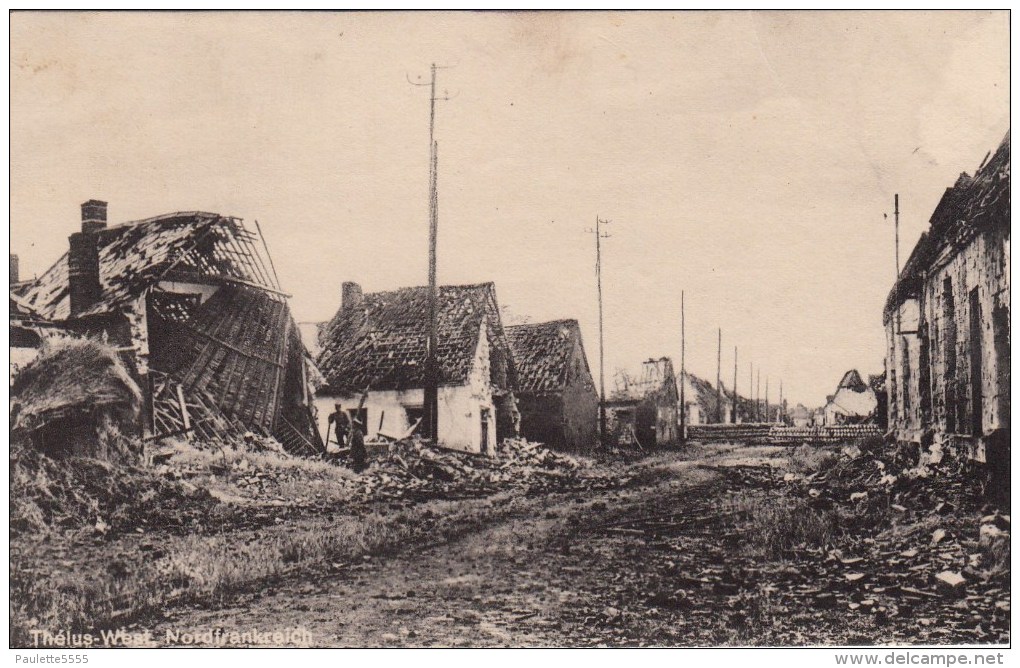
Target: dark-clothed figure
[[341, 423], [358, 453]]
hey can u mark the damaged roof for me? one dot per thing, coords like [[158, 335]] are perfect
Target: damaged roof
[[542, 353], [970, 206], [656, 376], [852, 381], [380, 342], [134, 255]]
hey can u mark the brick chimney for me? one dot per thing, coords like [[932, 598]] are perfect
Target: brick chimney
[[93, 216], [83, 258], [14, 269], [351, 296]]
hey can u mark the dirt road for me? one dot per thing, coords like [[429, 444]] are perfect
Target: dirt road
[[576, 572]]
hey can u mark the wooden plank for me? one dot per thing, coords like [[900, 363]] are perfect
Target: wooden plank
[[229, 346], [199, 277], [184, 408]]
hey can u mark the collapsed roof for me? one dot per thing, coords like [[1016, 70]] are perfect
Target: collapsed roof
[[970, 206], [133, 256]]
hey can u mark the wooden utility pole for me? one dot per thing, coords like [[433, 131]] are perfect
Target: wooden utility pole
[[734, 416], [757, 398], [599, 236], [768, 410], [683, 371], [750, 390], [718, 382], [894, 403], [782, 412], [430, 419]]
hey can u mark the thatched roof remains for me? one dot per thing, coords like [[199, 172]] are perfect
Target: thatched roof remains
[[72, 376]]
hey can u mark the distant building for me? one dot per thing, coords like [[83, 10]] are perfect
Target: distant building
[[643, 410], [853, 403], [947, 320], [375, 346], [701, 402], [556, 395], [800, 416]]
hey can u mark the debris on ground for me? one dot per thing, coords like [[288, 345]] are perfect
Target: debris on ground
[[415, 469], [786, 550]]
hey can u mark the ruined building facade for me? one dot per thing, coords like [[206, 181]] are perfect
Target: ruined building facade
[[642, 411], [196, 312], [947, 321]]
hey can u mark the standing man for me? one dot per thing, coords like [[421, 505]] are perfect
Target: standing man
[[341, 423], [358, 453]]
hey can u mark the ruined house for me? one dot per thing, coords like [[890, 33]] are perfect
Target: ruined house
[[556, 395], [643, 410], [947, 320], [703, 402], [800, 416], [192, 304], [373, 356], [853, 403]]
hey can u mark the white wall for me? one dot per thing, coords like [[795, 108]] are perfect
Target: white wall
[[387, 404]]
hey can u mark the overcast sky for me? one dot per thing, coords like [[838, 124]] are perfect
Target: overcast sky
[[744, 157]]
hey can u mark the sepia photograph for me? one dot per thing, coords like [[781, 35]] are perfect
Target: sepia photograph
[[510, 329]]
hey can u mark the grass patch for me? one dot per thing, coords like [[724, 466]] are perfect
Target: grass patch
[[811, 459], [209, 570], [774, 525]]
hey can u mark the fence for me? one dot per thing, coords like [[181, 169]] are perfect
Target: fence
[[772, 434]]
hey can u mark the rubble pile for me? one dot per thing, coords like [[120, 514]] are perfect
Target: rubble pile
[[414, 469], [879, 550]]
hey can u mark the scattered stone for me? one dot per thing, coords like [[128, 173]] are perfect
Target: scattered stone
[[950, 580], [859, 496], [938, 536]]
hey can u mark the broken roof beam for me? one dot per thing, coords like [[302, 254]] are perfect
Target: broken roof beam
[[200, 277], [245, 254]]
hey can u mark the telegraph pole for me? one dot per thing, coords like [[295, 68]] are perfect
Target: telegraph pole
[[734, 417], [683, 371], [781, 411], [431, 391], [718, 382], [757, 399], [768, 410], [599, 236], [894, 399], [750, 390]]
